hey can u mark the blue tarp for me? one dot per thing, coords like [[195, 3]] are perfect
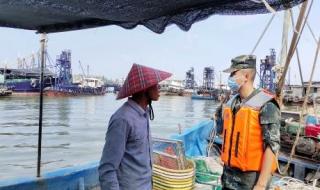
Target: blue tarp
[[311, 119], [196, 139]]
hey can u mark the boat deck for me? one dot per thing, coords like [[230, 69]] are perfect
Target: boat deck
[[300, 167]]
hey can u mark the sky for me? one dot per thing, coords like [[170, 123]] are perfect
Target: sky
[[110, 51]]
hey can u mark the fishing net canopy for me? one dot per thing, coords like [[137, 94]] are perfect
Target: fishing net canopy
[[64, 15]]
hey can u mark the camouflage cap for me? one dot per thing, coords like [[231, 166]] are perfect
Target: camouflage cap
[[242, 62]]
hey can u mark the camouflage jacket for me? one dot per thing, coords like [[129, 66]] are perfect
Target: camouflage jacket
[[233, 178]]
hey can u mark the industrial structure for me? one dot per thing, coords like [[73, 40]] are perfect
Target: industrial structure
[[208, 78], [267, 74], [63, 64], [190, 82]]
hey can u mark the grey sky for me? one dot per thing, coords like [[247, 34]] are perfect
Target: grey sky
[[110, 51]]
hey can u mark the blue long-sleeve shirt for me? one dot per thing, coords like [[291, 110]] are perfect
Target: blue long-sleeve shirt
[[126, 158]]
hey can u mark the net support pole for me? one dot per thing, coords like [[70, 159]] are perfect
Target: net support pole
[[42, 52]]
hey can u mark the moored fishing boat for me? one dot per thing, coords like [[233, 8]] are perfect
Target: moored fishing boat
[[26, 80], [64, 85], [202, 97], [156, 18]]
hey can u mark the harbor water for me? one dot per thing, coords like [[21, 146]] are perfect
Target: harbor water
[[74, 128]]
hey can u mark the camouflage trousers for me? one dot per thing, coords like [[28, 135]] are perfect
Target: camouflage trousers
[[235, 179]]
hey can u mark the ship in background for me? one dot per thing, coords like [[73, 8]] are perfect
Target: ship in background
[[26, 78], [64, 85], [208, 90], [189, 87], [58, 80], [172, 87]]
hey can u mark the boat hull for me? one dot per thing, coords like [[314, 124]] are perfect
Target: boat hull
[[85, 177], [24, 86], [74, 91], [199, 97]]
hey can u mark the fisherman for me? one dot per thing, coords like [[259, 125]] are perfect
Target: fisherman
[[126, 158], [251, 130]]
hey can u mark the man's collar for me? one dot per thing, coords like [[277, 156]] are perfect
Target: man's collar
[[136, 107]]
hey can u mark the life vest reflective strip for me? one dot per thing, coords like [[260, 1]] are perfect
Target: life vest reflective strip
[[242, 135]]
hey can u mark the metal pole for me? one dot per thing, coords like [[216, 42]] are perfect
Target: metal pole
[[42, 42]]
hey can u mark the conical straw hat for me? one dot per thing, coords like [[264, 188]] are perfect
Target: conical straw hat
[[140, 78]]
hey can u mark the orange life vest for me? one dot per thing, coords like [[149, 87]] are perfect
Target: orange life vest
[[242, 146]]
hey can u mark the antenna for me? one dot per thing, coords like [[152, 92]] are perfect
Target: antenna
[[83, 73]]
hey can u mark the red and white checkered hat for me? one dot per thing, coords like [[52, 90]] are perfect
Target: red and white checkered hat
[[140, 78]]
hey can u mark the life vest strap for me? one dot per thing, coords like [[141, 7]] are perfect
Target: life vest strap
[[258, 100]]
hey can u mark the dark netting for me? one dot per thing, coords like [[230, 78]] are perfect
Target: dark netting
[[64, 15]]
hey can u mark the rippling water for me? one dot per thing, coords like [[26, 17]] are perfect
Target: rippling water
[[74, 128]]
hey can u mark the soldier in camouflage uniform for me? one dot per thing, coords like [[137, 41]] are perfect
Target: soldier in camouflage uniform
[[242, 74]]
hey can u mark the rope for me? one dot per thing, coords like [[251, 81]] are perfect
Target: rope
[[211, 137], [297, 52], [260, 38], [304, 108], [263, 33], [310, 29], [268, 6], [213, 132], [266, 28], [292, 183], [314, 37]]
